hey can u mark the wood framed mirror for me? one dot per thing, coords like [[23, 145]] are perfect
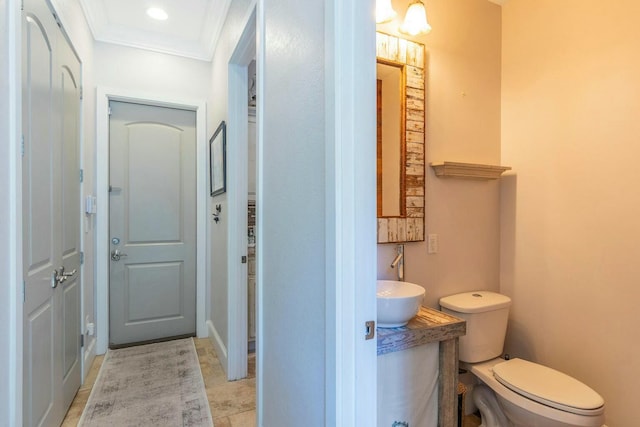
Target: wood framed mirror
[[401, 139]]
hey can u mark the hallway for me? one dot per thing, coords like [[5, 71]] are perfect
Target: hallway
[[232, 403], [299, 244]]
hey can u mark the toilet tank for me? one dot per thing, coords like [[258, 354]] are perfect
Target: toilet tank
[[486, 314]]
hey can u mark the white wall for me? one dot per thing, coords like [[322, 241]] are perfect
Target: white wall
[[8, 160], [5, 225], [144, 71], [218, 312], [570, 228], [293, 213], [462, 124]]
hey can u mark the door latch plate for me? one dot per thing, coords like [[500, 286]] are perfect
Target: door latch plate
[[370, 328]]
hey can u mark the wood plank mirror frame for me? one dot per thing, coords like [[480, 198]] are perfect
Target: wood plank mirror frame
[[408, 226]]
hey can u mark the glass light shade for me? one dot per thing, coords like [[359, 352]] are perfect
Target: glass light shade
[[415, 21], [384, 11]]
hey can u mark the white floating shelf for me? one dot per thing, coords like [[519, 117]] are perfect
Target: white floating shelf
[[468, 170]]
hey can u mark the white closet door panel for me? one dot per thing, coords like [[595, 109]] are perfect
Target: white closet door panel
[[51, 217], [68, 73], [41, 216]]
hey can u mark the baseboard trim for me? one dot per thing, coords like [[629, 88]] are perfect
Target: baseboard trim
[[219, 347], [89, 355]]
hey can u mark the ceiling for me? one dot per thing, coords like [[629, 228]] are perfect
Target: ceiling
[[191, 30]]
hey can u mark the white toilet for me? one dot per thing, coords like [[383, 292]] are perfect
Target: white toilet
[[516, 392]]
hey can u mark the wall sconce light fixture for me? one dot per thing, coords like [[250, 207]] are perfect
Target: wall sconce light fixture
[[384, 11], [415, 20]]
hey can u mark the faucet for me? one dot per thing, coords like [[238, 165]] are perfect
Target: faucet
[[398, 262]]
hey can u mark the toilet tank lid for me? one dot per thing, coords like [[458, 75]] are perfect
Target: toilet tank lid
[[475, 302]]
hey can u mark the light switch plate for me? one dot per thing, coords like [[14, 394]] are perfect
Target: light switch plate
[[432, 243]]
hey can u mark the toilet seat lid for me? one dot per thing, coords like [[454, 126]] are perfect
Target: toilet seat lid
[[548, 386]]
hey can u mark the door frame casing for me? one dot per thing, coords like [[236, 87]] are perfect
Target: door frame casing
[[351, 375], [237, 161], [104, 96], [12, 42]]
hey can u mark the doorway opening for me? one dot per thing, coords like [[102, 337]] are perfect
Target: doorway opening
[[152, 223], [103, 244], [241, 60]]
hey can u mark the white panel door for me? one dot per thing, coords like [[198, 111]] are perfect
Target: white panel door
[[41, 206], [51, 223], [68, 75], [152, 284]]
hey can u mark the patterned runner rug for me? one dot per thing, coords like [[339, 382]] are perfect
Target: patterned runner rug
[[149, 385]]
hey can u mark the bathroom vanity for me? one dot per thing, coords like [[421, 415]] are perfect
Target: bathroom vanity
[[431, 326]]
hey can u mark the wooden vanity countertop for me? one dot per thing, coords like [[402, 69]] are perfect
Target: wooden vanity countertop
[[429, 325]]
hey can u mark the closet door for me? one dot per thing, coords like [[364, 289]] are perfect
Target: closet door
[[68, 75], [51, 352], [41, 218]]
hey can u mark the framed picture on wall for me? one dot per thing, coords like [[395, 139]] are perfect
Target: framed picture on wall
[[218, 160]]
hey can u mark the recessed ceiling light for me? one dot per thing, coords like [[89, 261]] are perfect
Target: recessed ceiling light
[[157, 13]]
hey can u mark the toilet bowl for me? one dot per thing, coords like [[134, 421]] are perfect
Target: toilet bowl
[[573, 404], [516, 392]]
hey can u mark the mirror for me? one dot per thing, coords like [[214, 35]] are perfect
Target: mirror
[[390, 120], [401, 139]]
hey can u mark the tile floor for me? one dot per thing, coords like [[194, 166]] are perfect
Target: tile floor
[[79, 402], [232, 403]]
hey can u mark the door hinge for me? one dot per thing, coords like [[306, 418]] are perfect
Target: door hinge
[[22, 145], [81, 92], [24, 291], [244, 259], [81, 175], [109, 111], [81, 258], [22, 5], [81, 340]]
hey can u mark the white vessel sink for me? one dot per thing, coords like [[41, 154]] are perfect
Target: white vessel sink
[[398, 302]]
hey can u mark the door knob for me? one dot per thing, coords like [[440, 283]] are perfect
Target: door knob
[[116, 255]]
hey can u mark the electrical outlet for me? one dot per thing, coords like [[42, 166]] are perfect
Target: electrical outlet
[[432, 243]]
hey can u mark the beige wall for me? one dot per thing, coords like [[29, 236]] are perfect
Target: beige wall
[[571, 210], [463, 124]]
